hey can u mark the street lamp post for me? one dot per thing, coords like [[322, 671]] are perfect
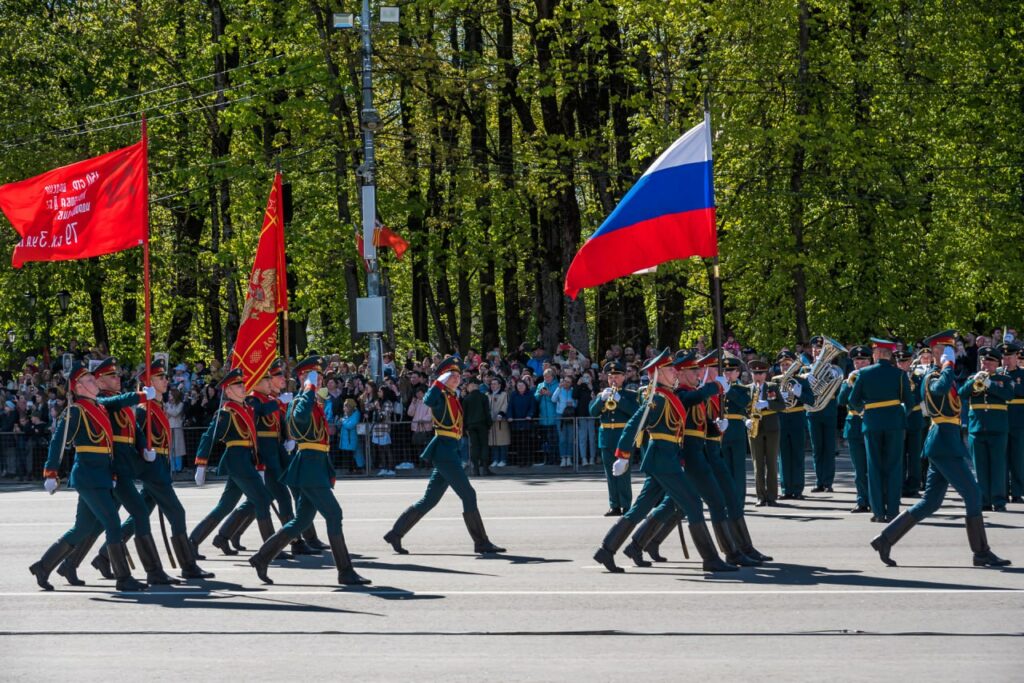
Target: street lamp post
[[64, 299]]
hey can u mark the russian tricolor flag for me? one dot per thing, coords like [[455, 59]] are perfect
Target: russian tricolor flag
[[668, 214]]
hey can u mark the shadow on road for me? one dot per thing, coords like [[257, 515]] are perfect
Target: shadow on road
[[777, 574], [255, 602]]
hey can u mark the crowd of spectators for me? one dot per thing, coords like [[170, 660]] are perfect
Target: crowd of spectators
[[538, 403]]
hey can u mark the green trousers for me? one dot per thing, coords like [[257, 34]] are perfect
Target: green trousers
[[620, 489], [96, 509], [989, 452]]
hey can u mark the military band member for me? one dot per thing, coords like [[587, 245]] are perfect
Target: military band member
[[763, 432], [923, 366], [311, 471], [122, 421], [988, 394], [734, 440], [613, 407], [662, 418], [235, 426], [914, 439], [443, 453], [792, 428], [853, 429], [821, 424], [86, 425], [948, 464], [1015, 414], [881, 393]]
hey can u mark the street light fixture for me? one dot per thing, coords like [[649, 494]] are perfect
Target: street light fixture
[[11, 336], [30, 299], [64, 299]]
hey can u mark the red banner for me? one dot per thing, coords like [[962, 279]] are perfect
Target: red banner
[[384, 237], [93, 207], [256, 345]]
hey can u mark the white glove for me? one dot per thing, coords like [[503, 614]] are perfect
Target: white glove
[[798, 389], [619, 467], [785, 395], [606, 394], [200, 475], [150, 393], [285, 398], [724, 383], [722, 423], [617, 397], [810, 379], [443, 379], [289, 445], [313, 378], [987, 383], [148, 454], [50, 484], [761, 405], [748, 423], [949, 355], [263, 475], [924, 407]]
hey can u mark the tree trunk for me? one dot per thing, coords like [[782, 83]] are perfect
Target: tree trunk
[[796, 181], [509, 273]]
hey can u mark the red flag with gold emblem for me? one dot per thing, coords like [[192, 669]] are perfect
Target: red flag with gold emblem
[[256, 345]]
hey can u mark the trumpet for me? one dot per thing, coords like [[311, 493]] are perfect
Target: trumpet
[[610, 403], [979, 381]]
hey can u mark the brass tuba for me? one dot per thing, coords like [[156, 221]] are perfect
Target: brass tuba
[[787, 380], [827, 377]]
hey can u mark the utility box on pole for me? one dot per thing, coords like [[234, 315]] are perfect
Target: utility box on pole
[[370, 315]]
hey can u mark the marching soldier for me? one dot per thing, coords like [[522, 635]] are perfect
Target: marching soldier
[[311, 471], [86, 425], [443, 453], [988, 393], [1015, 416], [734, 440], [913, 441], [792, 428], [852, 429], [947, 466], [662, 418], [881, 393], [235, 426], [613, 407], [763, 432], [822, 426]]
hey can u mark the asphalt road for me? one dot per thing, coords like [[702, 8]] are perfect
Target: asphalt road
[[826, 608]]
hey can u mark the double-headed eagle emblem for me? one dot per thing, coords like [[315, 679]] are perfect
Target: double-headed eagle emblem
[[262, 293]]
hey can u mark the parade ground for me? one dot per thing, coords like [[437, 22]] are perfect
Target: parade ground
[[825, 608]]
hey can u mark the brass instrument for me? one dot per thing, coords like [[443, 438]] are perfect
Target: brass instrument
[[979, 381], [611, 404], [787, 381], [827, 377], [755, 413]]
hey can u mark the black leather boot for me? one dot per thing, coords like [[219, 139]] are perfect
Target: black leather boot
[[653, 548], [706, 549], [742, 536], [267, 552], [613, 540], [266, 527], [311, 539], [475, 526], [150, 558], [69, 567], [101, 563], [346, 574], [406, 521], [119, 564], [645, 531], [49, 561], [186, 559], [199, 534], [983, 555], [892, 533], [729, 546], [236, 538], [228, 530]]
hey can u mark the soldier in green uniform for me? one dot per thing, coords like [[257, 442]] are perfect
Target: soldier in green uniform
[[914, 439], [881, 393], [613, 406], [734, 439], [234, 425], [988, 394], [852, 429], [763, 432], [662, 418], [792, 429], [1015, 416], [443, 453], [947, 464], [311, 471], [86, 425], [122, 421], [476, 412], [821, 424]]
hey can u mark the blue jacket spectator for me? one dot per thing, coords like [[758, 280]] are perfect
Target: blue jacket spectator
[[545, 394]]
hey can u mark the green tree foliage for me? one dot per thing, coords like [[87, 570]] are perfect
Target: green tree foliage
[[868, 157]]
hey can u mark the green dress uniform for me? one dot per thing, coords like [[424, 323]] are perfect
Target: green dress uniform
[[882, 394], [442, 452], [947, 465], [792, 431], [620, 491], [988, 428], [764, 446], [476, 412], [86, 424], [1015, 437], [914, 441], [821, 425], [854, 435], [662, 418], [734, 441]]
